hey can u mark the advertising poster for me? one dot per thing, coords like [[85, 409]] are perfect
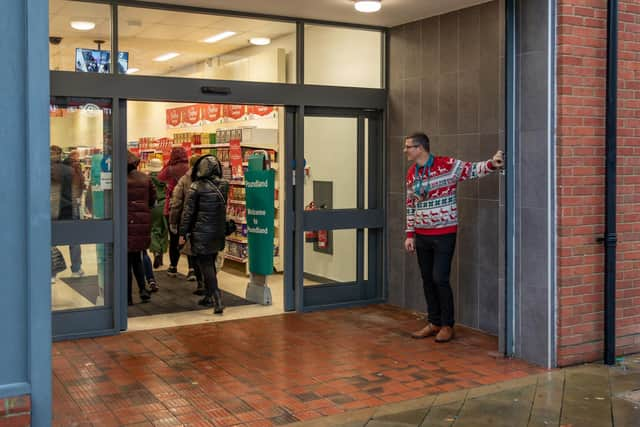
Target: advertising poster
[[234, 112], [261, 112], [235, 158], [211, 113], [191, 115], [174, 118], [260, 215]]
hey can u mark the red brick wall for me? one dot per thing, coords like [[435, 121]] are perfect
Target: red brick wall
[[581, 78], [15, 412]]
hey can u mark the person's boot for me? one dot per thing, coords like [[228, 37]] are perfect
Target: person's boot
[[144, 294], [445, 334], [199, 290], [172, 271], [427, 331], [157, 261], [217, 300], [206, 302], [191, 275], [153, 285]]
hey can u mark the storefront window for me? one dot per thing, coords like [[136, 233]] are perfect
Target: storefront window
[[337, 56], [331, 258], [178, 44], [79, 37], [81, 162]]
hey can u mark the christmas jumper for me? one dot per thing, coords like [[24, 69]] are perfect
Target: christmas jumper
[[431, 193]]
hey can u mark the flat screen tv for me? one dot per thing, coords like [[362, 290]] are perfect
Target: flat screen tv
[[99, 61]]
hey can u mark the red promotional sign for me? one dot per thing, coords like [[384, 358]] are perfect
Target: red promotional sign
[[191, 115], [235, 112], [260, 110], [235, 158], [211, 113], [174, 117]]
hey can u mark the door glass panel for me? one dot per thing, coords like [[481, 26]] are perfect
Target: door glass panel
[[79, 36], [330, 151], [81, 147], [338, 56], [330, 257], [79, 275], [179, 44]]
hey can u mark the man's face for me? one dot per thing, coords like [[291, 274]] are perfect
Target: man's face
[[412, 150]]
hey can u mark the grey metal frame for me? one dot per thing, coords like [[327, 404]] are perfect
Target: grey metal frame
[[371, 217], [297, 97]]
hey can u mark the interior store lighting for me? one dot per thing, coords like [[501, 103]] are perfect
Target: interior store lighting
[[83, 25], [218, 37], [368, 6], [166, 57], [133, 70], [260, 41]]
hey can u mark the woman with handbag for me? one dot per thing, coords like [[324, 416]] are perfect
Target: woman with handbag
[[204, 224]]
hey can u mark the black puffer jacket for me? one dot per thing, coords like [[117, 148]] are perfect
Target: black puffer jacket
[[205, 210]]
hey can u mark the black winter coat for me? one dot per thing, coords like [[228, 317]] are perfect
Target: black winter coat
[[205, 210], [141, 196]]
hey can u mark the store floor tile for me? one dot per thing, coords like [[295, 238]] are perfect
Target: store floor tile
[[267, 371]]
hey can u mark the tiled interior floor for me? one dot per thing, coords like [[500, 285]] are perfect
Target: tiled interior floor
[[266, 371]]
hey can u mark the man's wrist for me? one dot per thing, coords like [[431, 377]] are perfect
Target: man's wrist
[[411, 235]]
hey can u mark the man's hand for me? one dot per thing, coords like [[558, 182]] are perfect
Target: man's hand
[[181, 241], [410, 244], [498, 160]]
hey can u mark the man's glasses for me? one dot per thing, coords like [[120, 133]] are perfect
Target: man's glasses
[[411, 146]]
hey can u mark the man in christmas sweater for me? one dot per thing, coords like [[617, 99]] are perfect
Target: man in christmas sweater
[[432, 224]]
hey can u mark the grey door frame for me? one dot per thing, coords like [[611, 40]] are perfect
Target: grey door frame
[[371, 217], [295, 97]]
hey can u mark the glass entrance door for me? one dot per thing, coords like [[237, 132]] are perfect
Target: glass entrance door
[[343, 216], [82, 216]]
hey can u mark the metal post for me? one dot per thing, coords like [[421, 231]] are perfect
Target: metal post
[[610, 238]]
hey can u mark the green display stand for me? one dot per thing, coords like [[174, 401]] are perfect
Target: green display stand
[[98, 211], [259, 190]]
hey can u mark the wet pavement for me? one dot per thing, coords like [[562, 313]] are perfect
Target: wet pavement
[[589, 395], [284, 369]]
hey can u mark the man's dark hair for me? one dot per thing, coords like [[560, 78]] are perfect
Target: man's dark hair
[[421, 139]]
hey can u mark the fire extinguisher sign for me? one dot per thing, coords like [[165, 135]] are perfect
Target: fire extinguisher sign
[[259, 185]]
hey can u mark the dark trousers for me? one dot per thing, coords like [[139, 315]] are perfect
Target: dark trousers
[[148, 268], [174, 247], [434, 257], [193, 265], [134, 259], [207, 266]]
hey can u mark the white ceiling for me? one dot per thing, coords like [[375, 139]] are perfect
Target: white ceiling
[[393, 13]]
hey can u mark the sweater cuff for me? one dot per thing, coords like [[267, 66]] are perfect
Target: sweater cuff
[[411, 234]]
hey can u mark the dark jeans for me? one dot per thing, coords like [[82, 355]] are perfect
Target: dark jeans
[[75, 252], [148, 268], [207, 266], [134, 259], [193, 264], [434, 257], [174, 247]]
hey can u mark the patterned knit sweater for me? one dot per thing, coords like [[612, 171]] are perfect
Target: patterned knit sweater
[[431, 194]]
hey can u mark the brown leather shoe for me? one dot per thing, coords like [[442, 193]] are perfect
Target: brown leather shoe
[[427, 331], [445, 334]]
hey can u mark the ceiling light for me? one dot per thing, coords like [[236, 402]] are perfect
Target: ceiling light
[[368, 6], [260, 41], [218, 37], [83, 25], [166, 57], [133, 70]]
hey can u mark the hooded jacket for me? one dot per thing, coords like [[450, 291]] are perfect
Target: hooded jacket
[[177, 166], [205, 210], [178, 198], [141, 196]]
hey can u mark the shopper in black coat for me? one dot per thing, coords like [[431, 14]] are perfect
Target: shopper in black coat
[[203, 223]]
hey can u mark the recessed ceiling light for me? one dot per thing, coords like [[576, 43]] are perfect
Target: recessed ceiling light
[[83, 25], [133, 70], [260, 41], [166, 57], [218, 37], [368, 6]]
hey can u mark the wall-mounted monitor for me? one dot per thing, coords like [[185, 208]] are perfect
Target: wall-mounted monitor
[[99, 61]]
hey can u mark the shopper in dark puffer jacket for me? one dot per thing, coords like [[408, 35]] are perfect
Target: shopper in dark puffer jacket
[[203, 223], [141, 196]]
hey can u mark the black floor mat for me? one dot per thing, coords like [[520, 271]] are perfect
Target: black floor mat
[[87, 286], [175, 296]]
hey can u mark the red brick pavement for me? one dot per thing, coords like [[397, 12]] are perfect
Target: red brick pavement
[[266, 371]]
